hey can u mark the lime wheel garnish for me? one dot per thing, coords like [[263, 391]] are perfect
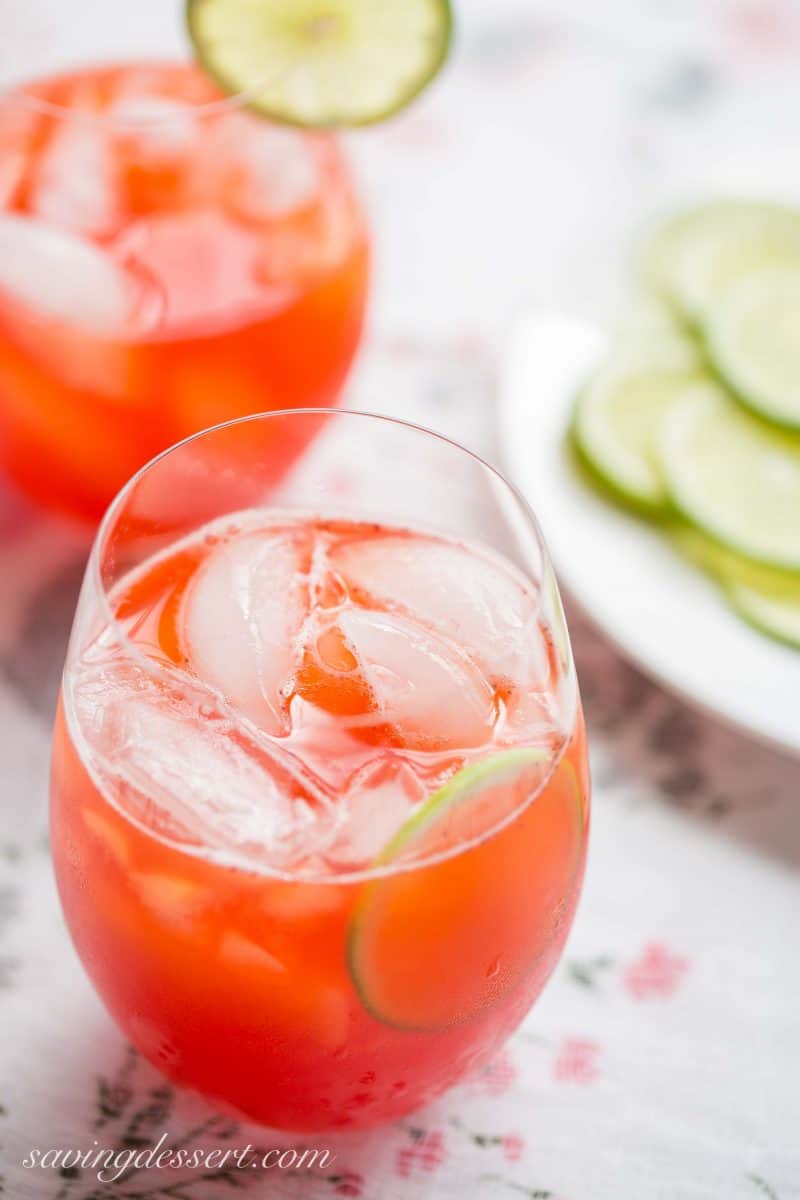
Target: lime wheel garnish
[[322, 63]]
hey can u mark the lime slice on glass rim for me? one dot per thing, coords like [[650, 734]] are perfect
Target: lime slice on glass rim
[[438, 939], [322, 63], [753, 339], [733, 476]]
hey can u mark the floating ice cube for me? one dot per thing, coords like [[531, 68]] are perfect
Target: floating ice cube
[[457, 591], [244, 952], [303, 250], [533, 718], [424, 686], [18, 125], [241, 619], [171, 898], [205, 265], [175, 758], [155, 128], [74, 183], [271, 172], [379, 800], [112, 840], [61, 275], [12, 171]]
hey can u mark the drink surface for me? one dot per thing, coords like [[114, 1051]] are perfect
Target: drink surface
[[360, 665], [243, 778], [165, 259]]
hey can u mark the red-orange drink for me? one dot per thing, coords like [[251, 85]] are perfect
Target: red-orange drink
[[320, 807], [167, 262]]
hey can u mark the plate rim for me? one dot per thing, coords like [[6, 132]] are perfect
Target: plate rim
[[509, 421]]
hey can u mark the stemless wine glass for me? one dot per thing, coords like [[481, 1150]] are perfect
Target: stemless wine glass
[[168, 260], [319, 791]]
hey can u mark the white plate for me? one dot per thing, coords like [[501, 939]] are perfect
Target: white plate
[[661, 612]]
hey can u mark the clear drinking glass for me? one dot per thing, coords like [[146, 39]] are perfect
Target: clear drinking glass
[[168, 260], [320, 791]]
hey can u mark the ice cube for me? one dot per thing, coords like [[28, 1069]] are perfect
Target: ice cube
[[175, 758], [155, 128], [294, 252], [472, 599], [425, 687], [270, 172], [532, 719], [173, 900], [18, 127], [241, 618], [205, 265], [379, 799], [112, 840], [60, 275], [12, 171], [244, 952], [74, 184]]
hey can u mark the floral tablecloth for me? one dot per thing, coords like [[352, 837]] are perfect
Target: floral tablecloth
[[663, 1059]]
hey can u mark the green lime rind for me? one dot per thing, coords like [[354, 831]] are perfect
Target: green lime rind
[[617, 415], [732, 476], [728, 567], [322, 64], [700, 252], [467, 786], [776, 614], [768, 599], [601, 483], [752, 339]]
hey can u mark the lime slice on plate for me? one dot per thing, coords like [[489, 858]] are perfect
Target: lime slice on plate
[[698, 253], [733, 476], [649, 318], [766, 598], [753, 339], [434, 943], [775, 613], [726, 565], [322, 63], [618, 415]]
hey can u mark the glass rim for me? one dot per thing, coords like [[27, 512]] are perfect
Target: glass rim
[[16, 93], [232, 861]]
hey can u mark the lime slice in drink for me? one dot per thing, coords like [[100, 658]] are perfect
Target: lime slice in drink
[[733, 476], [322, 63], [618, 415], [441, 936], [753, 339], [698, 253]]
